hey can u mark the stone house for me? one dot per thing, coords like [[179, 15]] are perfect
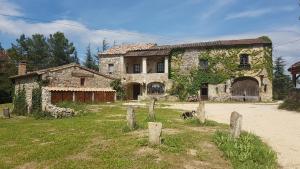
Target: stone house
[[70, 82], [145, 68]]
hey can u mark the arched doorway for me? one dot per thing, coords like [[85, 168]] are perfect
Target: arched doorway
[[133, 91], [155, 88], [245, 88]]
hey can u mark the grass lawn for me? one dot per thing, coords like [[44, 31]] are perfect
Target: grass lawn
[[99, 139]]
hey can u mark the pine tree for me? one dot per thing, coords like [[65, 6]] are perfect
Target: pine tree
[[282, 83], [104, 45], [89, 60]]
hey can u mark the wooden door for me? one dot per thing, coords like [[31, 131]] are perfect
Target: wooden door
[[136, 91]]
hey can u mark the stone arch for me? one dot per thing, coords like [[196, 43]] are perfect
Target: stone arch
[[155, 88], [245, 86]]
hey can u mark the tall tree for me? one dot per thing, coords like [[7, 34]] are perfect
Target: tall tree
[[89, 60], [1, 48], [38, 52], [282, 83], [61, 50], [105, 45], [76, 59]]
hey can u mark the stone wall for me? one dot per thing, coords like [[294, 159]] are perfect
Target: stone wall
[[29, 83], [190, 60], [117, 60], [70, 77]]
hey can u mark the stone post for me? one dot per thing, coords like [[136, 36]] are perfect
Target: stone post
[[235, 124], [6, 113], [131, 123], [151, 109], [154, 133], [201, 111]]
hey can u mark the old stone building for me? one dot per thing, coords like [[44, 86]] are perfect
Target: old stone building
[[70, 82], [145, 68]]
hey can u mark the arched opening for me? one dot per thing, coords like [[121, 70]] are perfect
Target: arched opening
[[246, 88], [155, 88], [133, 91]]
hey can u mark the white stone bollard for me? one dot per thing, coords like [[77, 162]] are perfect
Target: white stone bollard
[[235, 124], [131, 123], [201, 112], [6, 113], [155, 129]]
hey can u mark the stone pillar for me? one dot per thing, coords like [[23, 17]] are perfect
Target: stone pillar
[[73, 97], [235, 124], [144, 65], [151, 109], [166, 64], [122, 65], [6, 113], [131, 123], [46, 98], [201, 111], [154, 133], [93, 97]]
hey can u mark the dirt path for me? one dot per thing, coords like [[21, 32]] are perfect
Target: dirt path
[[279, 128]]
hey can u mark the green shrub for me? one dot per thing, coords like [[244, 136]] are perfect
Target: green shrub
[[117, 85], [246, 152], [20, 104], [36, 108], [292, 102]]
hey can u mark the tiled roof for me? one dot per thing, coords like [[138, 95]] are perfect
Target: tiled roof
[[43, 71], [295, 68], [122, 49], [154, 50], [221, 43], [79, 89]]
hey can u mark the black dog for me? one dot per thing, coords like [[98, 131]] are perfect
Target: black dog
[[187, 114]]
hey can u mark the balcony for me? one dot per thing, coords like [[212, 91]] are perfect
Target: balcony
[[145, 77]]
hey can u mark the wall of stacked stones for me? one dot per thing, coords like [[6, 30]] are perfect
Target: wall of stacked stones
[[65, 78], [116, 60]]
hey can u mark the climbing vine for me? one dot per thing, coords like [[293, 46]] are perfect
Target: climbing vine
[[223, 64]]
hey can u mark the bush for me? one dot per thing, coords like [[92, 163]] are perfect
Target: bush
[[246, 152], [292, 102], [20, 104], [36, 109], [117, 85]]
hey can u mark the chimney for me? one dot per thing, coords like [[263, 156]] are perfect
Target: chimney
[[22, 68]]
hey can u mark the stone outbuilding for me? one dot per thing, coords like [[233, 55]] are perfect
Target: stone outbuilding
[[70, 82]]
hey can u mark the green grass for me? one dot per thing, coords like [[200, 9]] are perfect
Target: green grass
[[98, 138], [247, 152]]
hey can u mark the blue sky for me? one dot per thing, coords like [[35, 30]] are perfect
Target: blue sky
[[159, 21]]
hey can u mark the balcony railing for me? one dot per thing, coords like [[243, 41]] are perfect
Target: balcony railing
[[146, 77]]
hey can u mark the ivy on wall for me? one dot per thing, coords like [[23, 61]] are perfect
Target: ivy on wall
[[223, 64], [20, 104]]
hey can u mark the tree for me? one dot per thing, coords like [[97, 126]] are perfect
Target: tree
[[89, 60], [282, 83], [61, 50], [1, 48], [105, 45]]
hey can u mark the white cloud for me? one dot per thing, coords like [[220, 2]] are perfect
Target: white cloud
[[9, 8], [219, 4], [258, 12]]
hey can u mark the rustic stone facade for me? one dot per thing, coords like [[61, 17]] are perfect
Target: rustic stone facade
[[67, 76], [189, 60]]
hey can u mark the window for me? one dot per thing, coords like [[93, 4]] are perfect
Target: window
[[136, 68], [82, 80], [160, 67], [110, 68], [156, 88], [244, 61], [203, 63]]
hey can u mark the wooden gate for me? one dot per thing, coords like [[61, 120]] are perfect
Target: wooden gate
[[60, 96], [245, 89]]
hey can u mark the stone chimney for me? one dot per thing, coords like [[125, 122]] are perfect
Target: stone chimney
[[22, 68]]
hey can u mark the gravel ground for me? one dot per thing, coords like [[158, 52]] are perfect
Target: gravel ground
[[278, 128]]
